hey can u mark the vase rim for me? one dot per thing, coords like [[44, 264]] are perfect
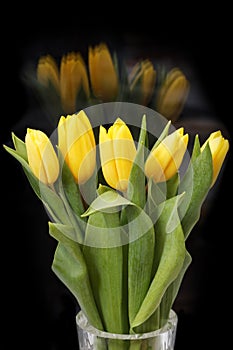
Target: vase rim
[[83, 323]]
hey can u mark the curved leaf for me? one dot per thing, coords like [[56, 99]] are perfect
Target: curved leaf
[[170, 263]]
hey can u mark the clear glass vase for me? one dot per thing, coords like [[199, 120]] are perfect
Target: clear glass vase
[[91, 338]]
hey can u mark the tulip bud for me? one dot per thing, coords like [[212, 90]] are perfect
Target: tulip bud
[[117, 153], [73, 77], [142, 78], [219, 148], [42, 157], [173, 94], [48, 72], [103, 74], [164, 160], [77, 144]]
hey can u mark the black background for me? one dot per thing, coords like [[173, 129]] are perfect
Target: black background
[[39, 312]]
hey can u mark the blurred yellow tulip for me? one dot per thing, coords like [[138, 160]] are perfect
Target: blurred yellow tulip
[[48, 72], [117, 153], [165, 159], [142, 80], [103, 74], [219, 147], [68, 81], [172, 94], [73, 77], [77, 144], [42, 157]]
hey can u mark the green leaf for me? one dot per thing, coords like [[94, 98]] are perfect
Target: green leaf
[[70, 187], [170, 251], [89, 189], [196, 182], [172, 186], [156, 195], [163, 134], [55, 204], [103, 253], [107, 202], [69, 265], [140, 257], [196, 148], [49, 197], [34, 182], [63, 233], [172, 291], [20, 147]]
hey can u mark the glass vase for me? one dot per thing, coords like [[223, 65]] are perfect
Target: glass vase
[[90, 338]]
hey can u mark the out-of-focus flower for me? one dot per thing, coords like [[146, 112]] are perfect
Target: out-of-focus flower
[[73, 78], [142, 80], [172, 94], [117, 153], [69, 80], [103, 74], [48, 72], [165, 159], [219, 147], [77, 144], [42, 157], [75, 83]]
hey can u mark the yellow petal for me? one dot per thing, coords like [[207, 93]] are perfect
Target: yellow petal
[[164, 160], [79, 76], [42, 157], [103, 75], [124, 153], [107, 158], [77, 143], [174, 98], [68, 84], [219, 148]]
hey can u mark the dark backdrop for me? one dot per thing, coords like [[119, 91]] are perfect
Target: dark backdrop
[[39, 312]]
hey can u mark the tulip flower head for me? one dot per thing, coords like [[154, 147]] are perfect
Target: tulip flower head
[[77, 81], [103, 74], [42, 157], [73, 78], [48, 72], [172, 94], [142, 78], [219, 147], [165, 159], [77, 144], [68, 80], [117, 153]]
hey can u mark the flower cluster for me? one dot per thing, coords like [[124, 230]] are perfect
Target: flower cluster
[[73, 84], [121, 225]]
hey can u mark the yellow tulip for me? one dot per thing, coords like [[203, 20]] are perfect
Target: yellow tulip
[[77, 144], [143, 77], [42, 157], [164, 160], [48, 72], [219, 147], [103, 75], [73, 77], [117, 153], [172, 94]]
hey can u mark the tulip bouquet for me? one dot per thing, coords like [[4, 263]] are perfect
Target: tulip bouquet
[[71, 84], [121, 210]]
